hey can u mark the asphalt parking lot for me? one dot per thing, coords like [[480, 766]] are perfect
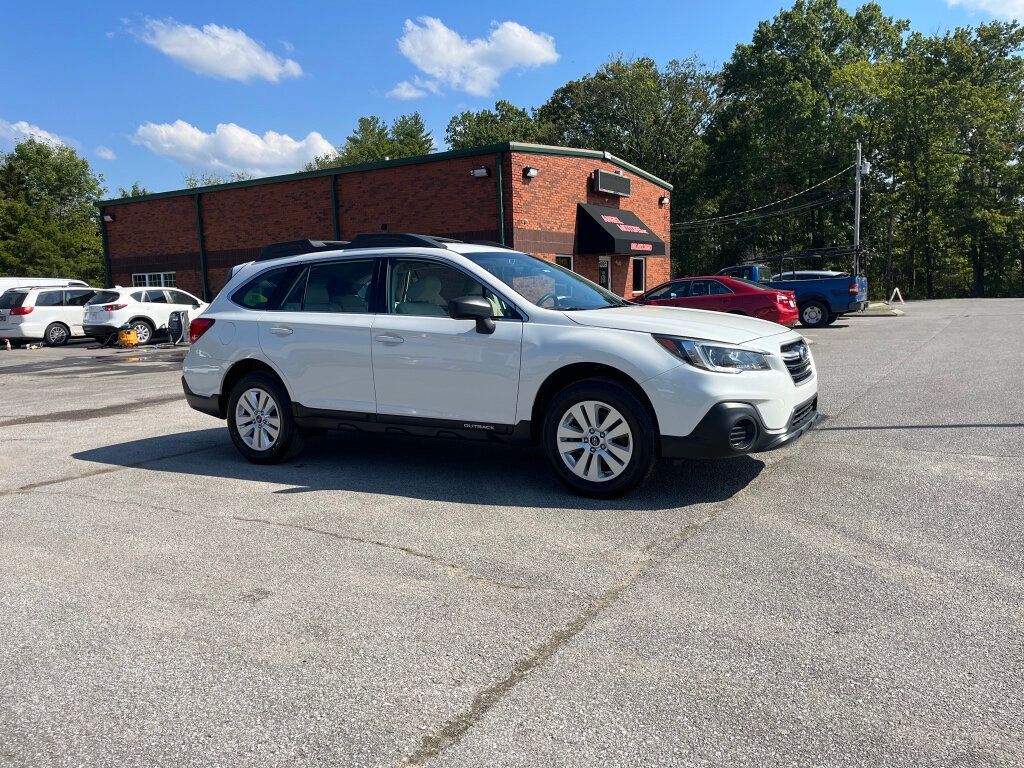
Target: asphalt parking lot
[[856, 599]]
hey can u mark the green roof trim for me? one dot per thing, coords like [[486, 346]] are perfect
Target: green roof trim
[[490, 149]]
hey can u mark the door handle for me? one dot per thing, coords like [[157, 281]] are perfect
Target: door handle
[[388, 339], [281, 330]]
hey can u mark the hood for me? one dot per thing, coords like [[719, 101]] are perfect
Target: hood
[[676, 321]]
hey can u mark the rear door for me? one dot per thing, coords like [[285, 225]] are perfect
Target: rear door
[[427, 365], [318, 334], [75, 300], [701, 296], [721, 296]]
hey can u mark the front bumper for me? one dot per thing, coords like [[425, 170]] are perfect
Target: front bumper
[[736, 429]]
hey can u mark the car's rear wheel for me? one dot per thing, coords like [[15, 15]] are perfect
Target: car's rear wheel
[[57, 334], [813, 314], [600, 438], [143, 330], [260, 420]]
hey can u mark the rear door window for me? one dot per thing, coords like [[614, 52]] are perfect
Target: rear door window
[[181, 298], [342, 286], [699, 288], [718, 289], [50, 299], [155, 297]]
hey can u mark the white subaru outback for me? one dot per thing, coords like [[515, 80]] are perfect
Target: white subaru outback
[[415, 335]]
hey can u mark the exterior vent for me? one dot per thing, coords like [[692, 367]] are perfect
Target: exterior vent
[[742, 435], [797, 358], [612, 183]]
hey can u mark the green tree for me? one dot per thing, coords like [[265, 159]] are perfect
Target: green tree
[[196, 179], [136, 190], [373, 140], [506, 122], [48, 221]]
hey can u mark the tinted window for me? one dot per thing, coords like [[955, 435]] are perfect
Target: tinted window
[[671, 291], [139, 296], [12, 299], [179, 297], [341, 286], [107, 297], [155, 297], [698, 288], [717, 288], [77, 298], [261, 290], [426, 287], [50, 299]]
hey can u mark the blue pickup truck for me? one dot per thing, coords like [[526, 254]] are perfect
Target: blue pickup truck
[[822, 296]]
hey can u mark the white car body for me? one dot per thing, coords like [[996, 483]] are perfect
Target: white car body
[[148, 310], [51, 314], [436, 375]]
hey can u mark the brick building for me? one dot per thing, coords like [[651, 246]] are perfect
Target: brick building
[[589, 210]]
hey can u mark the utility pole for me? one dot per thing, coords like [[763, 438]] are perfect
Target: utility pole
[[856, 215]]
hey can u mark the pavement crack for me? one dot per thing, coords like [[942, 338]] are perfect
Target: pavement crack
[[453, 567], [84, 414], [452, 731]]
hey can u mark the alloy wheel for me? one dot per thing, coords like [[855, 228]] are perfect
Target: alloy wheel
[[142, 332], [258, 419], [57, 336], [594, 441]]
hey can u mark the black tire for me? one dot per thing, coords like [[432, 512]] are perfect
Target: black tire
[[642, 439], [56, 335], [833, 317], [289, 440], [813, 314], [144, 329]]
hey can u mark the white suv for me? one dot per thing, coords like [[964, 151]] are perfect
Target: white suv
[[410, 334], [50, 315], [146, 310]]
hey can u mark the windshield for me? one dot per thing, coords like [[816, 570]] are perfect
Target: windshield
[[544, 283], [104, 297]]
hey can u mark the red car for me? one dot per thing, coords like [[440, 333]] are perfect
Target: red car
[[726, 294]]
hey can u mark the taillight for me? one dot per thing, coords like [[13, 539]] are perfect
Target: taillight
[[21, 310], [854, 289], [113, 307], [782, 298], [198, 327]]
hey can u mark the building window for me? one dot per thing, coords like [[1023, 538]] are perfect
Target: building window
[[154, 279], [564, 261], [639, 275]]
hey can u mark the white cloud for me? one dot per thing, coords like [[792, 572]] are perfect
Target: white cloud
[[473, 66], [216, 51], [105, 153], [406, 91], [21, 130], [1005, 9], [231, 147]]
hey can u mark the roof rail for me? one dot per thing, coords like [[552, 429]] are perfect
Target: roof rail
[[295, 247], [398, 240], [492, 243]]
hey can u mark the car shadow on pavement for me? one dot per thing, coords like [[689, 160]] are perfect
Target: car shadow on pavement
[[464, 472]]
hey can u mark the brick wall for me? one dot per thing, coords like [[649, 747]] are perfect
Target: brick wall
[[439, 198], [544, 213]]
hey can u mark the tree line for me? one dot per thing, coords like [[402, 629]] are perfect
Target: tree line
[[759, 151]]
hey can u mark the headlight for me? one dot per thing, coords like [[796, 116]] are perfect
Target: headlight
[[714, 357]]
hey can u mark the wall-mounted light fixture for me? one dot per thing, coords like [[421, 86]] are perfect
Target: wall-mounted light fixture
[[663, 200], [107, 217], [530, 172], [480, 173]]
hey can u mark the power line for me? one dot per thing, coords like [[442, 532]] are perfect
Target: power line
[[766, 205], [819, 203]]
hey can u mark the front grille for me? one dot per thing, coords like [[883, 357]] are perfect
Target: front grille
[[803, 413], [797, 357]]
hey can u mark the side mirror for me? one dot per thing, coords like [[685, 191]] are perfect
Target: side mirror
[[473, 308], [195, 305]]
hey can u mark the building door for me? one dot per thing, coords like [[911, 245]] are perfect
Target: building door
[[604, 272]]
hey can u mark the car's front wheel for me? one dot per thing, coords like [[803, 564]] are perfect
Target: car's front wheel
[[600, 438], [260, 420]]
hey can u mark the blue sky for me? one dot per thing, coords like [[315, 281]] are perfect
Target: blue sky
[[140, 88]]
